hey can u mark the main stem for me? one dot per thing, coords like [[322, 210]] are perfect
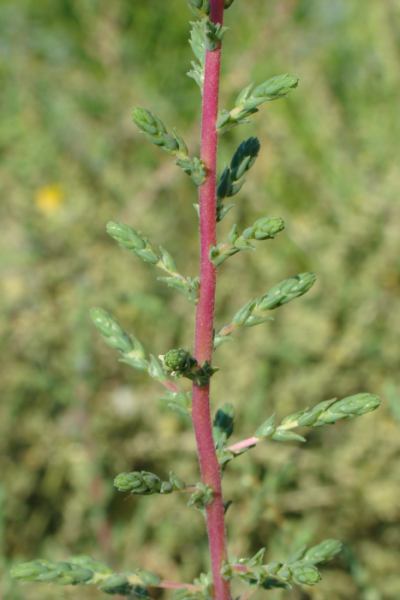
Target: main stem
[[202, 422]]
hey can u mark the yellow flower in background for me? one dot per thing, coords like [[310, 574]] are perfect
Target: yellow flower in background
[[49, 198]]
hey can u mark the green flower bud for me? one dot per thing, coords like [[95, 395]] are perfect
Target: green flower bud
[[323, 552], [178, 361]]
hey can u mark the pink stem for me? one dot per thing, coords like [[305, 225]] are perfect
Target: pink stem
[[201, 415], [244, 445]]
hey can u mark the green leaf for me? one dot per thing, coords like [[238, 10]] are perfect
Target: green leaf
[[130, 239], [348, 408], [267, 428], [201, 497], [214, 34], [116, 337], [200, 7], [265, 228], [286, 291], [281, 435], [180, 402], [231, 179], [146, 483], [305, 574], [250, 98], [223, 425], [323, 552], [172, 143]]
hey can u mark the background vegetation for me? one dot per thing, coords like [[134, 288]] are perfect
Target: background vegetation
[[71, 417]]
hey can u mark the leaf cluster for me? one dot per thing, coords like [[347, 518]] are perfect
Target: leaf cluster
[[300, 569]]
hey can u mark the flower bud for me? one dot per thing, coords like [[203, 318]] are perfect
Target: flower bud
[[178, 361]]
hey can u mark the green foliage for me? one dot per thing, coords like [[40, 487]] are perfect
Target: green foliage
[[200, 7], [231, 179], [84, 570], [134, 241], [130, 348], [223, 425], [255, 311], [251, 97], [327, 412], [299, 570], [265, 228], [202, 495], [197, 43], [146, 483], [328, 170], [172, 143]]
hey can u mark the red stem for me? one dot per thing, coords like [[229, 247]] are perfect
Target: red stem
[[201, 415]]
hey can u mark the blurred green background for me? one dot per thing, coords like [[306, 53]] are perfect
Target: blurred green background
[[71, 416]]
